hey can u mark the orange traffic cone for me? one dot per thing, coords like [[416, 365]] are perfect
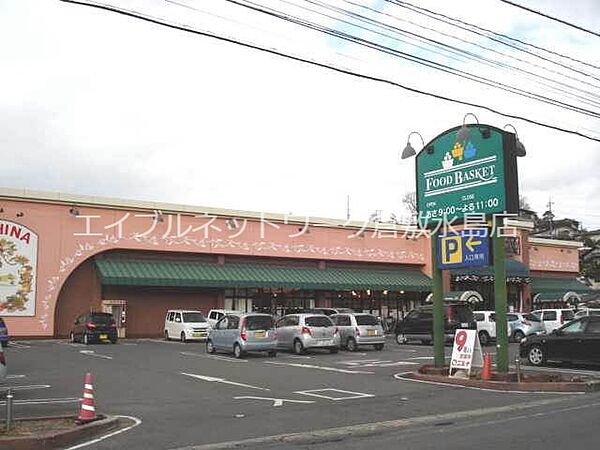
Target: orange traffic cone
[[87, 413], [486, 372]]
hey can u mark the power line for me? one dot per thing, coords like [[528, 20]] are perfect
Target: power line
[[157, 21], [494, 36], [446, 47], [418, 60], [556, 19]]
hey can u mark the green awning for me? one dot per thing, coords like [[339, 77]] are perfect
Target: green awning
[[130, 272], [514, 268], [558, 286]]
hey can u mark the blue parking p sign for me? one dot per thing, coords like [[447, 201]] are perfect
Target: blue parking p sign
[[464, 249]]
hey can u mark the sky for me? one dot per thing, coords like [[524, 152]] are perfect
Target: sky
[[97, 103]]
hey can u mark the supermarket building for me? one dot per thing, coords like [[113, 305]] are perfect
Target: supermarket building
[[62, 255]]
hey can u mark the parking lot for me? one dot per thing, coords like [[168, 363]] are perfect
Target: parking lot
[[180, 395]]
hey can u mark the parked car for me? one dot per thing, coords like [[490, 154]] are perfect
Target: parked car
[[4, 337], [185, 325], [523, 324], [3, 368], [587, 312], [329, 311], [300, 332], [486, 325], [94, 327], [553, 318], [214, 315], [577, 341], [359, 329], [240, 333], [418, 324]]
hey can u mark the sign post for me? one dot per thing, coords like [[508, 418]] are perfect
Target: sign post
[[438, 306], [468, 170]]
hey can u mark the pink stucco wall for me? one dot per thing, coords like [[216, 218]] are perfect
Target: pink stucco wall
[[553, 259], [61, 249]]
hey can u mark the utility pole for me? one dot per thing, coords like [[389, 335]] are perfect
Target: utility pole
[[348, 207]]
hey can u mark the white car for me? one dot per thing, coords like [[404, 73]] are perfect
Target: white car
[[214, 315], [186, 325], [486, 325], [553, 318]]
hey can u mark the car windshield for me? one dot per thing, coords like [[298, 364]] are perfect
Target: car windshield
[[102, 319], [366, 320], [318, 321], [478, 317], [193, 317], [259, 323]]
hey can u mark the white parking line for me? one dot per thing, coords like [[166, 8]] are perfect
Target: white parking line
[[354, 395], [106, 436], [93, 353], [10, 377], [44, 401], [558, 369], [310, 366], [18, 345], [27, 387], [222, 380], [276, 401], [220, 358]]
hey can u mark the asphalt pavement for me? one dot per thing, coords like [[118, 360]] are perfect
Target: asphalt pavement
[[182, 396]]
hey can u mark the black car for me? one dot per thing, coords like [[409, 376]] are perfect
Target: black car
[[577, 341], [418, 324], [94, 327]]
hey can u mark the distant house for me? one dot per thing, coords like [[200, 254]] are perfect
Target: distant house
[[566, 229]]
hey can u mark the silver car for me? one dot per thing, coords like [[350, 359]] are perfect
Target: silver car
[[523, 324], [300, 332], [240, 333], [359, 329]]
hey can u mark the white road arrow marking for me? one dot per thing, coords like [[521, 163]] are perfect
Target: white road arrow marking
[[221, 380], [276, 401], [93, 353]]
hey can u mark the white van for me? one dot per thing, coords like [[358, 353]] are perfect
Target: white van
[[214, 315], [186, 325], [553, 318]]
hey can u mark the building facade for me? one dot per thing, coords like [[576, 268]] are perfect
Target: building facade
[[64, 255]]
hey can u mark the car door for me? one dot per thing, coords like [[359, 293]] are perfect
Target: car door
[[409, 325], [169, 324], [284, 331], [565, 344], [591, 348], [549, 320], [77, 328], [231, 333], [217, 333], [344, 324]]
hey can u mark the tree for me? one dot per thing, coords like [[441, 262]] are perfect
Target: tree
[[524, 203], [410, 202]]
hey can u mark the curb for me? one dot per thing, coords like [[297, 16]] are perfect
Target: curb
[[58, 439], [555, 386]]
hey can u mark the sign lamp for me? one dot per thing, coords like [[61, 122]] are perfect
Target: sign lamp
[[520, 148], [463, 133], [409, 149]]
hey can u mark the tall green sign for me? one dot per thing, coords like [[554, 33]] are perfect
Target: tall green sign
[[474, 171]]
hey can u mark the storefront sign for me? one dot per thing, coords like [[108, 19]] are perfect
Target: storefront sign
[[466, 352], [18, 266], [477, 175], [464, 249]]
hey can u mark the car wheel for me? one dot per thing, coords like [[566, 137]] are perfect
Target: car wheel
[[518, 336], [210, 348], [237, 351], [72, 338], [182, 337], [272, 354], [484, 338], [351, 345], [334, 350], [86, 339], [536, 355], [378, 347], [401, 339], [166, 335], [298, 347]]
